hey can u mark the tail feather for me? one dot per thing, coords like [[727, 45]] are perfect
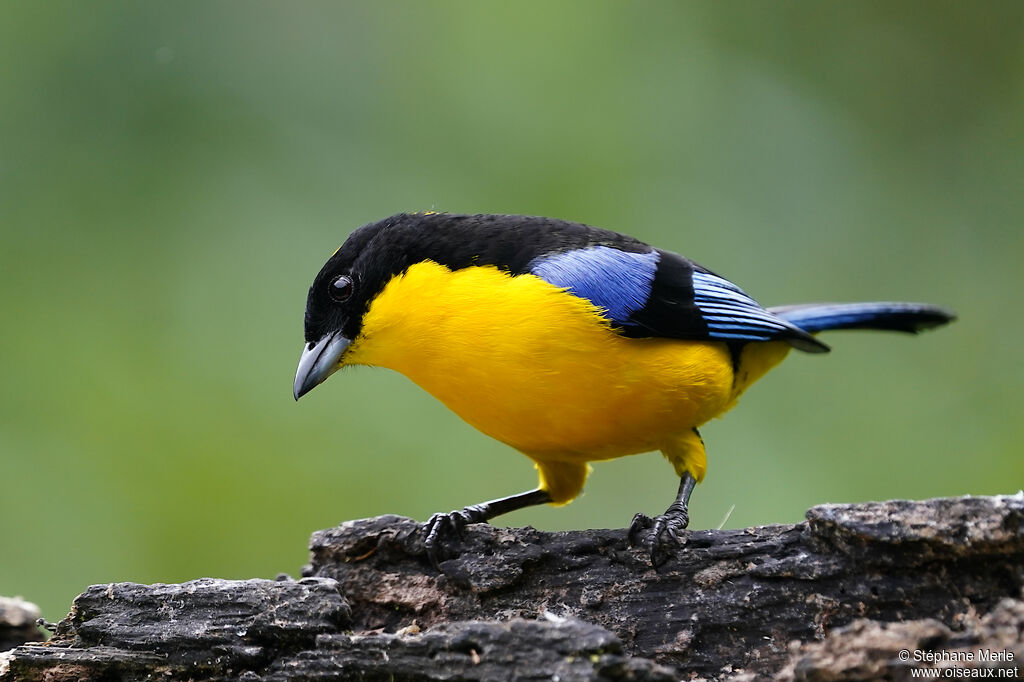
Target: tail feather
[[893, 316]]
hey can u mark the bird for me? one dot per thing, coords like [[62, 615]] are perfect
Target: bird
[[570, 343]]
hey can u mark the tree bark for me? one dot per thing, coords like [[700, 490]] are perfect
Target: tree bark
[[838, 597]]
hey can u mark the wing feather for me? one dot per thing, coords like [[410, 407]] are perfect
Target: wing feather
[[661, 294], [617, 281]]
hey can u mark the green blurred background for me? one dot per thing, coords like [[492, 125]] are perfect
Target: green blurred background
[[172, 175]]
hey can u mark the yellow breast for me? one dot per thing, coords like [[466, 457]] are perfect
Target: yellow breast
[[540, 369]]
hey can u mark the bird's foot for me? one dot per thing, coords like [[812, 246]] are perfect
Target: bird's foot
[[442, 528], [661, 534]]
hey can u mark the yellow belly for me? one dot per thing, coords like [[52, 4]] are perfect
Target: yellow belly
[[542, 370]]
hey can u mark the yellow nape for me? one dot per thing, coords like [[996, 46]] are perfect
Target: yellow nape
[[542, 370]]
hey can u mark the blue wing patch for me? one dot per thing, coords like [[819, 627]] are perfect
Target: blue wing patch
[[618, 281], [732, 315]]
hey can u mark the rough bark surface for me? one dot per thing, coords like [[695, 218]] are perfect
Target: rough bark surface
[[837, 597]]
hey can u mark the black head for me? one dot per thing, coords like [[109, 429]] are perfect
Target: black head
[[341, 291]]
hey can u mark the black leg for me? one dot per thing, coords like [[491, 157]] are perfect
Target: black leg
[[663, 535], [441, 526]]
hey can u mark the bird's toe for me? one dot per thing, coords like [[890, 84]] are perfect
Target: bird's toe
[[662, 535], [640, 523], [442, 530]]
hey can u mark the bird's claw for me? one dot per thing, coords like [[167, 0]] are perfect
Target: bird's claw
[[661, 534], [441, 528]]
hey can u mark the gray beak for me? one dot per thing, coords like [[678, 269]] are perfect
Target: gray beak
[[318, 361]]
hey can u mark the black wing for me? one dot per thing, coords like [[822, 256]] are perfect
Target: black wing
[[657, 293]]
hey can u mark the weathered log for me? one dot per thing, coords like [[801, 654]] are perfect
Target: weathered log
[[836, 597], [18, 622]]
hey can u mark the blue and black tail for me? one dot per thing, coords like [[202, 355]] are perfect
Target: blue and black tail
[[892, 316]]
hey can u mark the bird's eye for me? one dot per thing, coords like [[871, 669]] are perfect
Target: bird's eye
[[341, 288]]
